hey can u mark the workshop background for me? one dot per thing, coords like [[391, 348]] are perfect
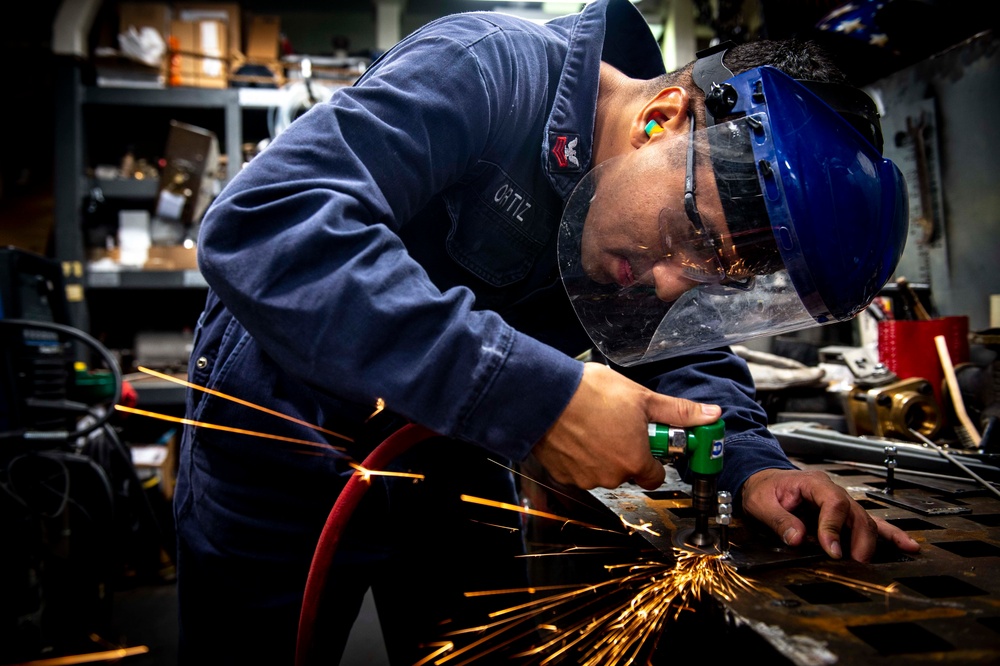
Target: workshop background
[[123, 119]]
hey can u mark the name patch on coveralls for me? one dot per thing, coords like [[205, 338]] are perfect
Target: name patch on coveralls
[[511, 203]]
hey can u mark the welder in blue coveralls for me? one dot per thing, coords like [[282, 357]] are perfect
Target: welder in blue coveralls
[[492, 198]]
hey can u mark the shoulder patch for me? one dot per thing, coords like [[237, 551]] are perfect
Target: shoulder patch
[[562, 154]]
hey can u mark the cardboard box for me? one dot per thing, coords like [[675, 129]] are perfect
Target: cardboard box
[[202, 59], [155, 15], [189, 179], [159, 460], [172, 258], [263, 37], [227, 13], [161, 258]]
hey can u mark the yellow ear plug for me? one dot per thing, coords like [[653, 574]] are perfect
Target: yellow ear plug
[[652, 127]]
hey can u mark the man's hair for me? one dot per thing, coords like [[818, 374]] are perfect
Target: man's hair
[[798, 59]]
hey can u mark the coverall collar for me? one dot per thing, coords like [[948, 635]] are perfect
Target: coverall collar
[[610, 30]]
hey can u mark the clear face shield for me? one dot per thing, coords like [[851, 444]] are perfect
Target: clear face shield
[[686, 244], [654, 265]]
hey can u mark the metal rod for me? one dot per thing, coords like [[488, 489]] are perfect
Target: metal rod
[[809, 440], [950, 458]]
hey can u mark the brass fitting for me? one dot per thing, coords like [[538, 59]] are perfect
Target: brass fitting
[[894, 409]]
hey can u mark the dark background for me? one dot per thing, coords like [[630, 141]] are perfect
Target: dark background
[[917, 29]]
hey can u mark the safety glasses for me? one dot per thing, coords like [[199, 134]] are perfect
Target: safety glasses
[[702, 259]]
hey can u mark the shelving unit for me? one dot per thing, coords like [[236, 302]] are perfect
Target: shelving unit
[[82, 133], [227, 101], [95, 127], [85, 140], [140, 279]]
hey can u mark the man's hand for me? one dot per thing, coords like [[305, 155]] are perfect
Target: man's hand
[[772, 494], [602, 440]]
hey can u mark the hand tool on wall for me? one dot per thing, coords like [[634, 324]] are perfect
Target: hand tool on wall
[[926, 220]]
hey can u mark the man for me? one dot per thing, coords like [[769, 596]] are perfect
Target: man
[[400, 244]]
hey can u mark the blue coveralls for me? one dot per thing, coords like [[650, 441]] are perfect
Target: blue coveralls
[[398, 243]]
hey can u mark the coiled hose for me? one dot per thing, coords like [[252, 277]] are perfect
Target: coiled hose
[[348, 500]]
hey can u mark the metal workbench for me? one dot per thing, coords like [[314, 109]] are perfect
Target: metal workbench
[[941, 605]]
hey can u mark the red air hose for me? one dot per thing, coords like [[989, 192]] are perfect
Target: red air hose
[[380, 457]]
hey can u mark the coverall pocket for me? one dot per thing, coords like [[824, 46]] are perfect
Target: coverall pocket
[[497, 228]]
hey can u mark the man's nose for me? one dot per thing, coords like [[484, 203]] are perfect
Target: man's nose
[[669, 280]]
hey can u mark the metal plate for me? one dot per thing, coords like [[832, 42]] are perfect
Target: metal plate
[[919, 502], [941, 605], [668, 512]]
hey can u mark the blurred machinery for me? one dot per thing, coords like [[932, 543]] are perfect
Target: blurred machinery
[[73, 512], [35, 364]]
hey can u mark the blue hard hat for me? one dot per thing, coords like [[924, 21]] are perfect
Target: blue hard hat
[[837, 209]]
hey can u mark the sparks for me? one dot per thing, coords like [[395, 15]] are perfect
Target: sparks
[[641, 527], [88, 658], [525, 510], [576, 550], [441, 649], [213, 426], [245, 403], [892, 588], [379, 406], [367, 474], [616, 621], [538, 483], [534, 589]]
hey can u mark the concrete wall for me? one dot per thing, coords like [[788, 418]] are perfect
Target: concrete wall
[[957, 93]]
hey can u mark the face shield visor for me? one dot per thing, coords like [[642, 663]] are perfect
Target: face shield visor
[[779, 217]]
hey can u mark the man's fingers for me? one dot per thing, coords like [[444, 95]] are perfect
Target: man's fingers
[[680, 412], [839, 514], [651, 477], [769, 495], [601, 438], [833, 515], [864, 538], [761, 500], [900, 538], [791, 530]]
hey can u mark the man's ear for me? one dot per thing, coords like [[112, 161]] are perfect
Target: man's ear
[[666, 113]]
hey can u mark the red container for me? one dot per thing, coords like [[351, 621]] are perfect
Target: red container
[[907, 348]]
